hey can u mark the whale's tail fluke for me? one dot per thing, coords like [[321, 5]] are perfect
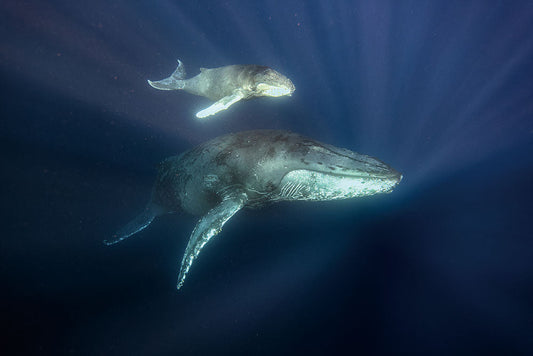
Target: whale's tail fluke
[[139, 223], [174, 82]]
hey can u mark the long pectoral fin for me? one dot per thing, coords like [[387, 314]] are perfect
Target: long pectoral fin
[[220, 105], [139, 223], [207, 227]]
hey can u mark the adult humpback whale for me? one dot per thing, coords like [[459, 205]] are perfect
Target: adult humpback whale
[[227, 85], [251, 169]]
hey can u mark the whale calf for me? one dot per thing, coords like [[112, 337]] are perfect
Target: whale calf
[[251, 169], [227, 85]]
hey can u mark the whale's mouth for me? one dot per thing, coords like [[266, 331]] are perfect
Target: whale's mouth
[[381, 172], [305, 184], [386, 180], [275, 91], [377, 176]]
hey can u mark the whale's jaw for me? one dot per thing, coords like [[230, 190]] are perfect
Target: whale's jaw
[[325, 172], [274, 84], [275, 90], [303, 184]]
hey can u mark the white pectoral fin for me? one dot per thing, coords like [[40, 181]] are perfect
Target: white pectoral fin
[[220, 105], [207, 227]]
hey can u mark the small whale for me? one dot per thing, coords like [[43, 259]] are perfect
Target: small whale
[[252, 169], [227, 85]]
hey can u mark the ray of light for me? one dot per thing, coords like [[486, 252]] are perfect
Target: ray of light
[[407, 82]]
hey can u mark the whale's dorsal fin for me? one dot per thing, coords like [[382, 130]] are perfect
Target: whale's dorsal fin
[[222, 104], [207, 227]]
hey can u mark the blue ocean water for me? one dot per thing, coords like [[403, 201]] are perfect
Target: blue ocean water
[[440, 90]]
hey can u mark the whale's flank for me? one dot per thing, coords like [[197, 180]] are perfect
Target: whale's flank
[[252, 169]]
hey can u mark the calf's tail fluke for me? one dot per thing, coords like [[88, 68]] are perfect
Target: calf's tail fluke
[[174, 82], [139, 223]]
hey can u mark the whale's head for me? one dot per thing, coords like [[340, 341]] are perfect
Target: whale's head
[[316, 171], [269, 82]]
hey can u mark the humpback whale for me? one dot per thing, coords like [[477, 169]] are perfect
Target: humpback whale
[[227, 85], [251, 169]]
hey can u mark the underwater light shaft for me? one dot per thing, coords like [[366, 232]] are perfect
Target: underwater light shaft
[[420, 85]]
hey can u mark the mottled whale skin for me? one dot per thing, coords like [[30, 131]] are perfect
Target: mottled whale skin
[[252, 169], [227, 85]]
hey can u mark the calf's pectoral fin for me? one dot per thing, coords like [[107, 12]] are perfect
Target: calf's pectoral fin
[[220, 105], [207, 227]]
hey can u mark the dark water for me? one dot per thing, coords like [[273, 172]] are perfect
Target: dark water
[[440, 90]]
